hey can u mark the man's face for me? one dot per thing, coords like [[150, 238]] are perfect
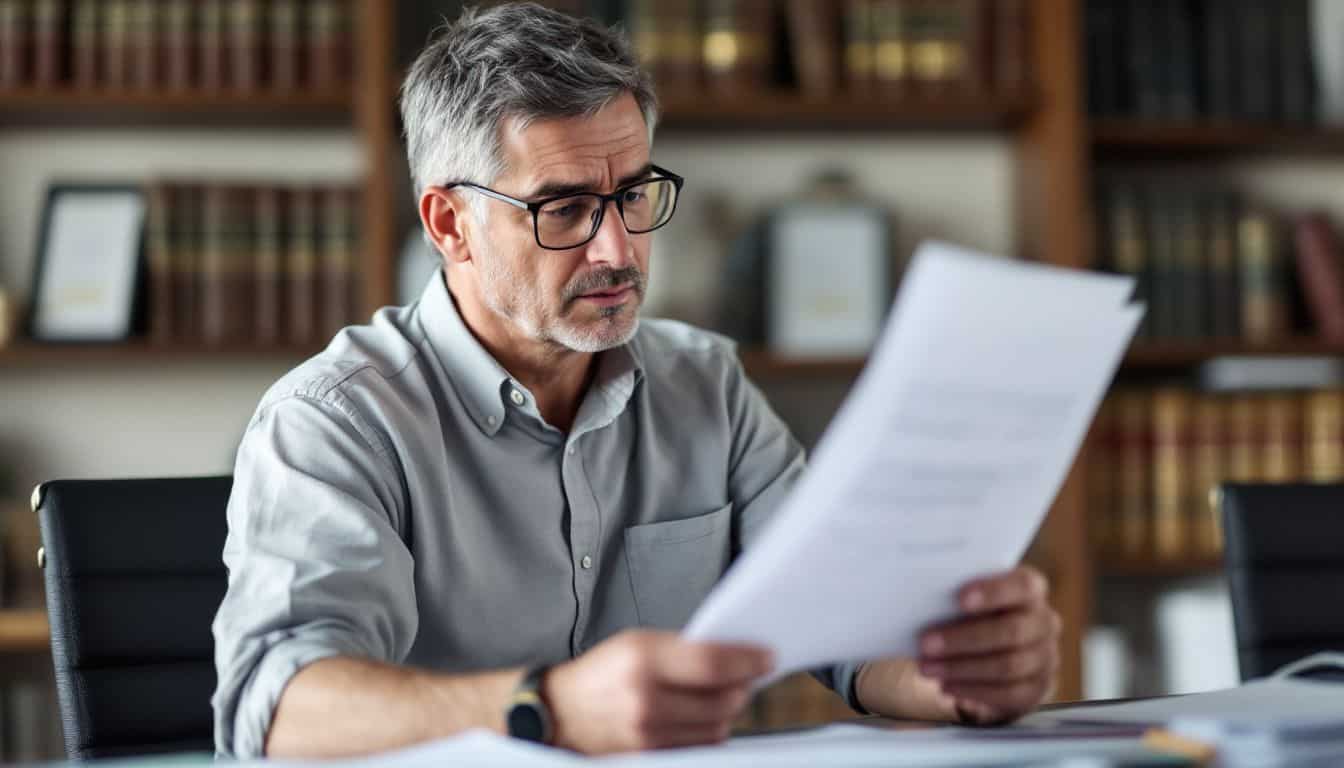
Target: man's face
[[586, 298]]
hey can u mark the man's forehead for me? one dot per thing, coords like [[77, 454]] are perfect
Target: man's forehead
[[591, 152]]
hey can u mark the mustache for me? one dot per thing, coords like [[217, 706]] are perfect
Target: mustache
[[605, 277]]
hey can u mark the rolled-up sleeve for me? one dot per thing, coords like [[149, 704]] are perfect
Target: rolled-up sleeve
[[317, 562], [766, 461]]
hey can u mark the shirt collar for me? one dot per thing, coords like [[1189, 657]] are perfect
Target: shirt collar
[[480, 380]]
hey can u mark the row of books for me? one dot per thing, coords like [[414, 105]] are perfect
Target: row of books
[[175, 45], [1223, 59], [1155, 455], [1213, 266], [896, 47], [251, 264]]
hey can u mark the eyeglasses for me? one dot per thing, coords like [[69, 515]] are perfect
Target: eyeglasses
[[569, 221]]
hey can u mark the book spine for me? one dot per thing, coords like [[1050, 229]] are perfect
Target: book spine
[[284, 49], [736, 44], [1171, 409], [1103, 81], [244, 35], [301, 266], [1258, 26], [14, 42], [1164, 268], [85, 36], [860, 43], [240, 275], [1244, 436], [943, 37], [211, 50], [1208, 469], [1146, 71], [814, 39], [1190, 258], [1135, 501], [1282, 444], [1129, 246], [187, 218], [1223, 289], [1264, 303], [49, 49], [159, 258], [214, 265], [116, 47], [1220, 61], [891, 46], [179, 44], [327, 42], [144, 35], [1102, 487], [1297, 89], [337, 260], [1324, 436], [1321, 274], [269, 266], [1183, 97]]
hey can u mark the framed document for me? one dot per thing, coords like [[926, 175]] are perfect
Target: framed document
[[829, 278], [88, 262]]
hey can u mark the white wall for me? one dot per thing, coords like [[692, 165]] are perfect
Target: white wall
[[166, 418]]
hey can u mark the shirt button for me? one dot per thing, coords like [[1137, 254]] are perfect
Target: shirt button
[[490, 420], [586, 562], [517, 397], [571, 450]]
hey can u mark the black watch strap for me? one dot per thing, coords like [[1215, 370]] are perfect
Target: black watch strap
[[527, 716]]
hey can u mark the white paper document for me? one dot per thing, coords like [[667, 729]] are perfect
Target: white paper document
[[939, 466]]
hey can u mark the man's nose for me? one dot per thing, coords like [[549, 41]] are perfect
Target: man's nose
[[611, 245]]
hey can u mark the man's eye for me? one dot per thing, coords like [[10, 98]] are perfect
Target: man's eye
[[563, 211], [634, 195]]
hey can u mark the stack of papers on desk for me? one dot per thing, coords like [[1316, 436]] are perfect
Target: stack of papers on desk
[[939, 466]]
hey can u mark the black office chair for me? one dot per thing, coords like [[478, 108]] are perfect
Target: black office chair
[[1285, 567], [133, 575]]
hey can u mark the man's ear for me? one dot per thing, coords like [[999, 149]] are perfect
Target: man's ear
[[445, 215]]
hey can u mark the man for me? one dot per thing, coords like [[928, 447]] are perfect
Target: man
[[494, 507]]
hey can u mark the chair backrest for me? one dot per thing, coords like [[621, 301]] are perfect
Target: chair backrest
[[134, 574], [1284, 554]]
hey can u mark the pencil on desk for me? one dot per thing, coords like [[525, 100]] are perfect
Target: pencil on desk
[[1163, 740]]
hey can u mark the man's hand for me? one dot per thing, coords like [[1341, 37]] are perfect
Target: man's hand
[[646, 690], [1000, 660]]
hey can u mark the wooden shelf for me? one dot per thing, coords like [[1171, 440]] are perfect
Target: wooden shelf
[[1174, 354], [126, 107], [35, 355], [765, 364], [1215, 136], [1150, 566], [24, 631], [791, 111]]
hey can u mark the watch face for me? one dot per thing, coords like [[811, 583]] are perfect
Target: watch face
[[525, 722]]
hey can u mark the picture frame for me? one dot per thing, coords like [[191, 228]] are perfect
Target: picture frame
[[829, 278], [88, 263]]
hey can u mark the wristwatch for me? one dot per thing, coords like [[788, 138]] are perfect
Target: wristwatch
[[527, 717]]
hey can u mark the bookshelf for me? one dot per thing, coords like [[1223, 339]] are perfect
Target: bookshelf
[[787, 111], [1116, 136], [34, 355]]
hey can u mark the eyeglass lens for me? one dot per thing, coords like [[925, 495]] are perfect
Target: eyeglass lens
[[569, 221]]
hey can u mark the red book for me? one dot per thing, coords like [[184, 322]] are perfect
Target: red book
[[328, 42], [1321, 274], [144, 44], [84, 33], [243, 25], [283, 44]]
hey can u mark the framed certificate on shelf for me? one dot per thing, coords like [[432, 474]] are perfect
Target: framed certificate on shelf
[[829, 278], [88, 263]]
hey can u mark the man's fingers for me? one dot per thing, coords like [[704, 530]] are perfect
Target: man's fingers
[[1006, 667], [1004, 591], [710, 665], [988, 634], [998, 703], [692, 707]]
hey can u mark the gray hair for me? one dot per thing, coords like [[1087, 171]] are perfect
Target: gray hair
[[516, 62]]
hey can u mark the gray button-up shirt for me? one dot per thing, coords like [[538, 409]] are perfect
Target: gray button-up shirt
[[399, 497]]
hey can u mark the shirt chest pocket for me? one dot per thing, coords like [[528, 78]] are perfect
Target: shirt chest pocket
[[674, 564]]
